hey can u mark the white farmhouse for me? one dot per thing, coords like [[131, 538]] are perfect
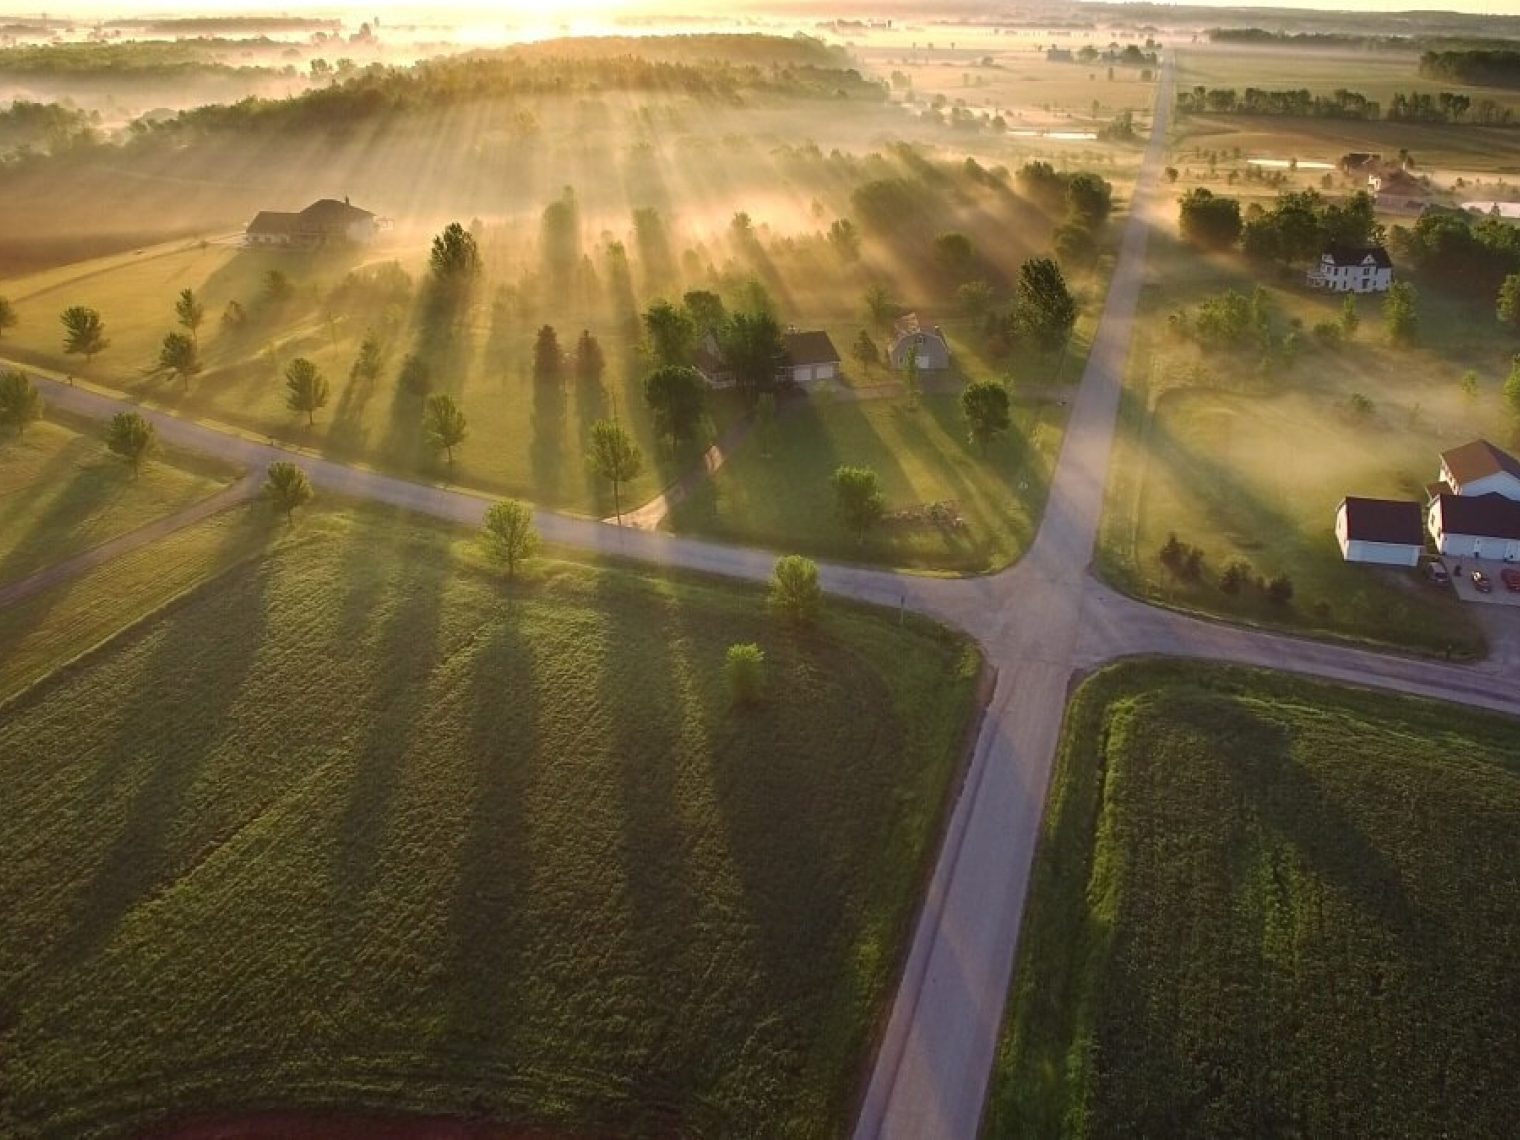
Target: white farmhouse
[[1343, 269], [1476, 526], [1388, 532], [1478, 468]]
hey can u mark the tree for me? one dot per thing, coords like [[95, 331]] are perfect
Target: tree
[[985, 405], [865, 351], [1074, 244], [509, 534], [277, 288], [455, 258], [84, 333], [589, 361], [306, 388], [178, 356], [8, 316], [444, 423], [1512, 389], [131, 437], [955, 254], [20, 402], [974, 298], [1171, 174], [911, 382], [368, 363], [845, 239], [744, 670], [287, 487], [1207, 220], [615, 457], [795, 590], [752, 346], [705, 308], [1470, 384], [677, 394], [234, 318], [879, 304], [1044, 310], [546, 354], [1089, 199], [1508, 307], [858, 498], [190, 313], [1350, 319], [415, 375], [672, 334], [1399, 315]]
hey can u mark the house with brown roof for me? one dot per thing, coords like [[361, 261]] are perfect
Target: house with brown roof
[[325, 222], [810, 357], [1474, 508], [1387, 532], [1478, 468]]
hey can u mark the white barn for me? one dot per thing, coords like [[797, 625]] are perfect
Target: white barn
[[1345, 270], [1388, 532], [1475, 526]]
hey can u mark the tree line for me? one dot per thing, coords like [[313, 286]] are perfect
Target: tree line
[[1411, 107], [1489, 67]]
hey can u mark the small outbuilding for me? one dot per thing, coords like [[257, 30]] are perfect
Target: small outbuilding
[[1388, 532], [930, 348], [1475, 526], [810, 356]]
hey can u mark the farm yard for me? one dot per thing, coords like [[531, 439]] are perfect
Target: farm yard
[[358, 824], [1269, 904]]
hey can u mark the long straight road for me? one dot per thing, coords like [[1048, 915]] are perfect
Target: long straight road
[[1040, 623]]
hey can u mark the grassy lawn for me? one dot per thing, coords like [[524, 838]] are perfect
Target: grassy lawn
[[62, 492], [360, 825], [1252, 468], [1267, 906], [786, 502]]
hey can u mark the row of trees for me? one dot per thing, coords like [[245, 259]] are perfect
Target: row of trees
[[1411, 107], [1296, 228]]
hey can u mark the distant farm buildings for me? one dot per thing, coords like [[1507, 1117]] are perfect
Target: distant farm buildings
[[1342, 269], [325, 222]]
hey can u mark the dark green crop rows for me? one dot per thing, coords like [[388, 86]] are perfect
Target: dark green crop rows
[[1268, 907]]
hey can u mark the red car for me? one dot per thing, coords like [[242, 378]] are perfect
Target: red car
[[1511, 580], [1481, 583]]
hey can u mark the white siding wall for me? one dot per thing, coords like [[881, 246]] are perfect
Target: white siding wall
[[1502, 482], [1381, 553]]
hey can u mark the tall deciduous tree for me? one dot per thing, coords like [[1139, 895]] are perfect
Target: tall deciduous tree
[[1399, 316], [20, 402], [677, 395], [445, 423], [306, 388], [84, 333], [865, 351], [369, 362], [189, 311], [8, 316], [858, 498], [287, 487], [455, 258], [590, 362], [131, 437], [415, 375], [705, 308], [1350, 319], [1208, 220], [1512, 389], [753, 349], [1508, 305], [795, 591], [880, 306], [744, 669], [547, 358], [614, 456], [178, 356], [985, 403], [1044, 309], [672, 334], [508, 533]]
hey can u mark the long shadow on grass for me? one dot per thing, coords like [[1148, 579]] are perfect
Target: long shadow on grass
[[168, 736], [87, 491]]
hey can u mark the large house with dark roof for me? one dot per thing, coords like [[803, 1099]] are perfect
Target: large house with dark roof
[[1343, 269], [325, 222], [810, 357]]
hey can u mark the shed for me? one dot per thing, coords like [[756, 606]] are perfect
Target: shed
[[810, 356], [1388, 532], [931, 349]]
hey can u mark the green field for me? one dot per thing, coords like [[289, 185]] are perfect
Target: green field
[[360, 825], [922, 455], [1252, 468], [62, 492], [1267, 906]]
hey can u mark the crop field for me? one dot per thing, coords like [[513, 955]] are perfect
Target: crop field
[[785, 501], [1268, 906], [1251, 468], [363, 825], [62, 492]]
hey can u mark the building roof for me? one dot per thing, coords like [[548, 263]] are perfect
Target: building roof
[[1478, 460], [1384, 520], [331, 212], [1483, 516], [815, 347], [274, 222], [1357, 255]]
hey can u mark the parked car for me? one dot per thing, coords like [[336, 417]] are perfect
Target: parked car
[[1436, 573], [1511, 580], [1481, 583]]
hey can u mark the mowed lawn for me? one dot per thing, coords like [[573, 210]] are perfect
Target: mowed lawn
[[62, 492], [362, 825], [785, 501], [1267, 906]]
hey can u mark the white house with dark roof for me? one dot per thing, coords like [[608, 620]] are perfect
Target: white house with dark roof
[[1343, 269], [1387, 532], [1475, 526], [1478, 468], [325, 222]]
